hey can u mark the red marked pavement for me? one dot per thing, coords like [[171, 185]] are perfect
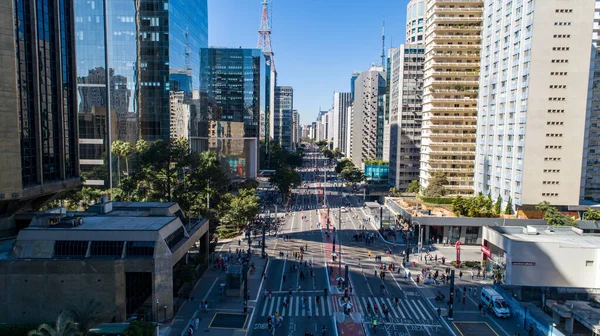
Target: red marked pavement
[[350, 328], [336, 302]]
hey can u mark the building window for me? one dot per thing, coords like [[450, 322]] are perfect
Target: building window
[[174, 238], [107, 248], [589, 263], [70, 248], [139, 249]]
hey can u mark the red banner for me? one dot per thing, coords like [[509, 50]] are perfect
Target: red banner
[[485, 250]]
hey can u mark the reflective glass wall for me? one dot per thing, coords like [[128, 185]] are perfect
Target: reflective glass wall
[[230, 93], [129, 55]]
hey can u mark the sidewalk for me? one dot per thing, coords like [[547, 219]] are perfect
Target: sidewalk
[[207, 288]]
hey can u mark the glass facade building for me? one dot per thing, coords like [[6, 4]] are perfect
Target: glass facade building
[[284, 106], [229, 118], [39, 121], [134, 58]]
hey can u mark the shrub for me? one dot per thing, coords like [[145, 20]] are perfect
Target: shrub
[[437, 200]]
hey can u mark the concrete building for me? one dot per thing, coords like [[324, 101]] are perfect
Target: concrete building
[[262, 125], [38, 127], [349, 130], [542, 256], [284, 106], [123, 255], [341, 101], [352, 82], [367, 116], [451, 72], [405, 109], [180, 116], [415, 21], [533, 127], [330, 126]]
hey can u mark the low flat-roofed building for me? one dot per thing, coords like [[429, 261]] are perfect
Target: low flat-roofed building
[[542, 256], [120, 254]]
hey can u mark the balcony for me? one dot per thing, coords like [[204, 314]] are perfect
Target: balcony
[[451, 170], [454, 64], [451, 144], [450, 152], [446, 100], [457, 127], [458, 187], [453, 27], [454, 73], [446, 46], [460, 19], [472, 109], [463, 56], [447, 161], [443, 82], [445, 37], [449, 135]]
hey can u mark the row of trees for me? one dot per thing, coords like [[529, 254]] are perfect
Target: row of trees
[[480, 206], [285, 163], [349, 172]]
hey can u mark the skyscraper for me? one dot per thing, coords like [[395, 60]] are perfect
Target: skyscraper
[[295, 129], [415, 21], [405, 108], [282, 125], [367, 116], [38, 110], [452, 45], [352, 82], [228, 122], [341, 101], [534, 125], [132, 58]]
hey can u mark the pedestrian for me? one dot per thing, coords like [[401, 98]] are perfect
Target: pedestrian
[[470, 290], [460, 274], [474, 291], [480, 307], [196, 323], [464, 299], [472, 276]]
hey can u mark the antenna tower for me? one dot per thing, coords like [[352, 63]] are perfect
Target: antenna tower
[[264, 33], [383, 45]]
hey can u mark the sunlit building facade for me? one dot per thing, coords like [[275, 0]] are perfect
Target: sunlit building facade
[[282, 121]]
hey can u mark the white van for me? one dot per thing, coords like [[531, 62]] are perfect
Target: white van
[[491, 299]]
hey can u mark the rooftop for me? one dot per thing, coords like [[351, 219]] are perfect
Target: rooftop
[[564, 236], [115, 223]]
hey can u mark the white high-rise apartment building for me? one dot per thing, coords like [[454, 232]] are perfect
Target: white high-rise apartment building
[[531, 133], [451, 72], [415, 21], [341, 101], [349, 130]]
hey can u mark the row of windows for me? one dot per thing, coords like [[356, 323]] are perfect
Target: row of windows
[[556, 111], [555, 123], [556, 98], [553, 147], [558, 86], [554, 135], [551, 159], [560, 48], [551, 170], [78, 248], [560, 61], [549, 194], [562, 36], [562, 23], [563, 11], [558, 73], [550, 182]]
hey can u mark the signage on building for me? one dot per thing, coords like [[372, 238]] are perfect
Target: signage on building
[[523, 263], [486, 250]]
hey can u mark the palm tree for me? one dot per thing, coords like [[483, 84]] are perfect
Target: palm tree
[[65, 326], [116, 149], [90, 315]]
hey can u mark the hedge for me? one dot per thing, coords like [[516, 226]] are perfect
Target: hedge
[[437, 200]]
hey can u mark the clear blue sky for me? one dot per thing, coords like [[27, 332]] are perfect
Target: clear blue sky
[[317, 43]]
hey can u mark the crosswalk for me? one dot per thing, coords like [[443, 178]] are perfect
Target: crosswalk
[[407, 309], [298, 306]]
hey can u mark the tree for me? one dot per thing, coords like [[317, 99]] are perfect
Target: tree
[[352, 175], [478, 206], [553, 216], [394, 192], [241, 208], [90, 315], [140, 328], [509, 207], [436, 186], [321, 143], [341, 165], [498, 205], [591, 214], [284, 179], [65, 326], [141, 146], [413, 187]]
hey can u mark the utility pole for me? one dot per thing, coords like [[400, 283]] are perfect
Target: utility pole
[[268, 217], [340, 246], [451, 299], [381, 217]]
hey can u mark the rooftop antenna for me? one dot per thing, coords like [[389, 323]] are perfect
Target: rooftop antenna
[[383, 44], [264, 34]]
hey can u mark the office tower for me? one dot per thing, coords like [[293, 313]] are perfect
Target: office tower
[[38, 110], [138, 67], [330, 126], [341, 101], [284, 106], [228, 122], [405, 106], [386, 111], [295, 129], [451, 72], [352, 81], [415, 21], [591, 171], [533, 121], [367, 116]]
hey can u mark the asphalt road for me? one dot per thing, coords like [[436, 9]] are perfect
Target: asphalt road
[[309, 309]]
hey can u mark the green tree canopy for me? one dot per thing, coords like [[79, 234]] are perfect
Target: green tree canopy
[[240, 208], [65, 326], [509, 206], [478, 206], [413, 187], [376, 162], [342, 164], [553, 216], [436, 187], [352, 175], [498, 205], [321, 143], [591, 214], [285, 179]]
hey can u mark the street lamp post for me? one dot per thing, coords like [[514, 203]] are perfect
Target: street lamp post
[[268, 217], [381, 217], [420, 240], [340, 245]]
